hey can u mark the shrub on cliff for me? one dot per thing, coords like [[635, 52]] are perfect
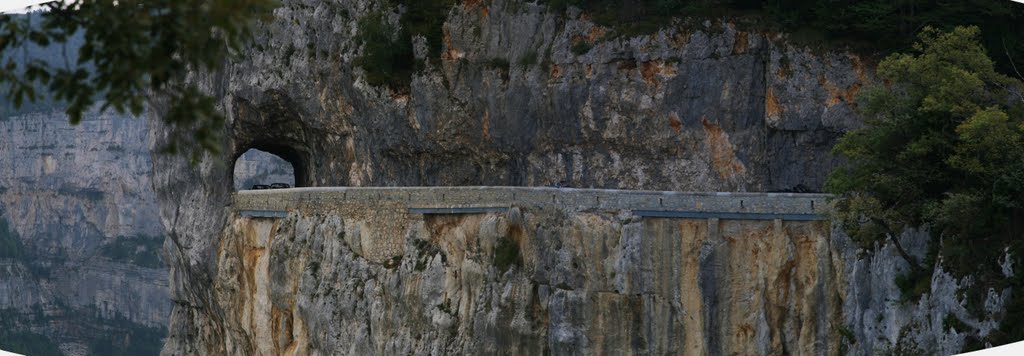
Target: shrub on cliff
[[943, 147], [387, 54]]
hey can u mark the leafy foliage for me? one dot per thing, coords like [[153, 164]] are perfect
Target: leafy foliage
[[528, 60], [426, 18], [940, 147], [943, 148], [387, 53], [581, 47], [130, 49], [506, 254], [388, 57], [55, 54]]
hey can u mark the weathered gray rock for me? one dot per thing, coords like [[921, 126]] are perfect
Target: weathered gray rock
[[682, 109], [705, 108], [67, 192], [879, 318], [577, 283]]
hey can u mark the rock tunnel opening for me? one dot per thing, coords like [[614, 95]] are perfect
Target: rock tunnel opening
[[266, 165]]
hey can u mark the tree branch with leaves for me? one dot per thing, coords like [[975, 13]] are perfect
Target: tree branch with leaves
[[131, 49]]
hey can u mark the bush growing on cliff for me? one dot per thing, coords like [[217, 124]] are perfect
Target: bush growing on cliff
[[388, 57], [426, 18], [581, 47], [387, 54], [506, 254], [943, 148]]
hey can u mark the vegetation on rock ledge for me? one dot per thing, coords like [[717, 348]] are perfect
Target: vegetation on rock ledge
[[870, 25], [388, 56], [142, 251], [876, 25], [506, 254]]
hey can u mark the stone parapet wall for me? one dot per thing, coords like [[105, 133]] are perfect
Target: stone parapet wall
[[568, 199]]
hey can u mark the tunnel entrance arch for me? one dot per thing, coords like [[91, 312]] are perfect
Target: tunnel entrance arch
[[265, 165], [271, 124]]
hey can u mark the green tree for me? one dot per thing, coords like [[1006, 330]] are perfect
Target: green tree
[[943, 147], [130, 49], [387, 53]]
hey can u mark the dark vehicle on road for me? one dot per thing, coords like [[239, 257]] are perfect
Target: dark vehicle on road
[[260, 187], [280, 186]]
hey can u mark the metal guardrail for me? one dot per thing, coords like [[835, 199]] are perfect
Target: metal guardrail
[[726, 216], [451, 211], [641, 213], [263, 214]]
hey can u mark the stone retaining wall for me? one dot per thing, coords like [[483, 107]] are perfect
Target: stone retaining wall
[[569, 199]]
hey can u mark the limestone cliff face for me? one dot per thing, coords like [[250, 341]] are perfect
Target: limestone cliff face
[[529, 282], [705, 108], [100, 170], [542, 281], [82, 233], [880, 319]]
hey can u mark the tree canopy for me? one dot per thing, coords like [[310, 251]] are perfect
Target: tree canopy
[[129, 50], [943, 148]]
